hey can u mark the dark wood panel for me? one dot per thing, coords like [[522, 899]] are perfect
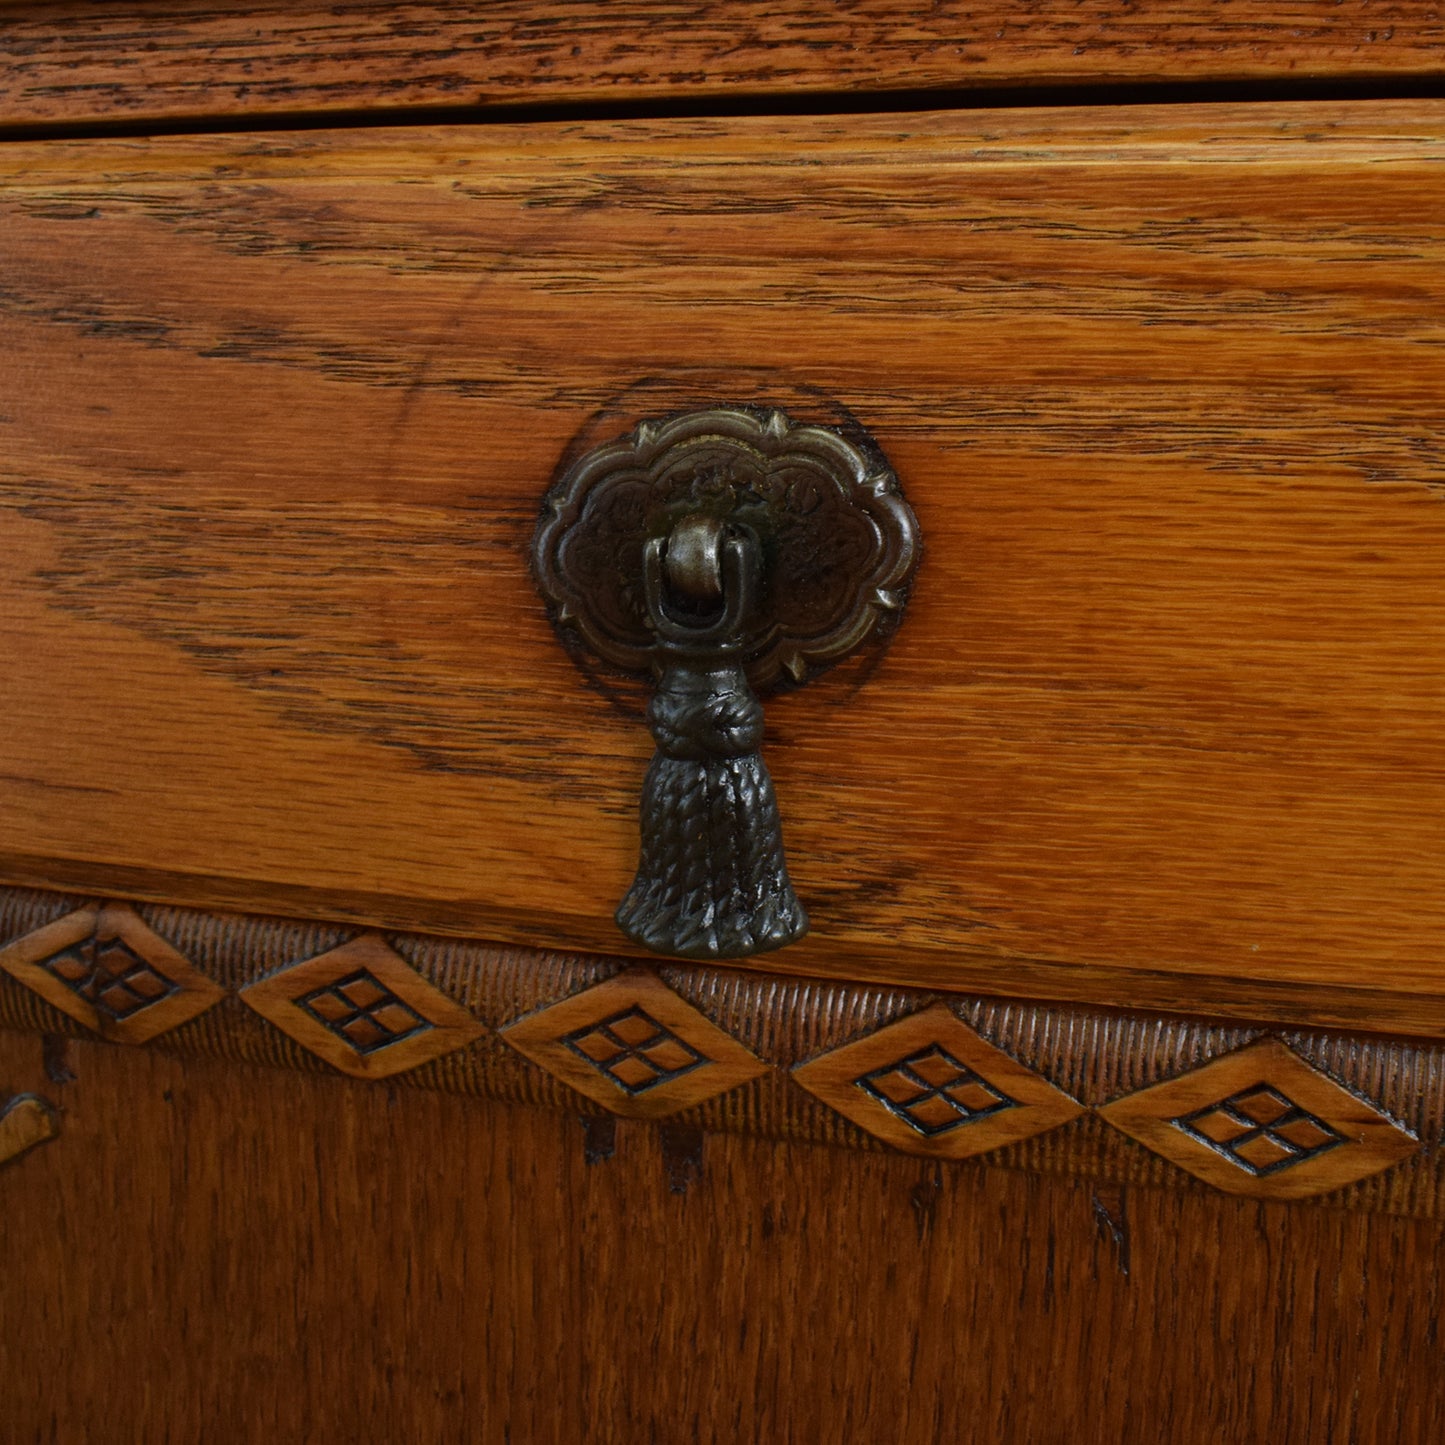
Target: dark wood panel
[[308, 1259], [1163, 721], [76, 62]]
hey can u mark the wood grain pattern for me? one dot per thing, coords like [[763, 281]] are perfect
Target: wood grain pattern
[[777, 1050], [145, 59], [1161, 728], [423, 1267]]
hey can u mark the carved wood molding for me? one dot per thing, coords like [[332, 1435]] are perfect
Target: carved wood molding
[[1121, 1097]]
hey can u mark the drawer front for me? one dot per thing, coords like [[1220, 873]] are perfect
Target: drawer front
[[1162, 724]]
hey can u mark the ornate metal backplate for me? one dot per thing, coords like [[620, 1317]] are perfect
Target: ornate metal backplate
[[838, 542], [721, 550]]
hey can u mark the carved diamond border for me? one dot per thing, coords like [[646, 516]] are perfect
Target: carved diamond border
[[836, 1078], [276, 998], [543, 1038], [25, 959], [1152, 1117]]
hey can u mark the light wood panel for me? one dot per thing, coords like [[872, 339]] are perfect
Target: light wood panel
[[1164, 718], [134, 60], [316, 1259]]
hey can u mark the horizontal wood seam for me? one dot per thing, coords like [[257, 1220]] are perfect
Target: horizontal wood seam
[[1285, 90]]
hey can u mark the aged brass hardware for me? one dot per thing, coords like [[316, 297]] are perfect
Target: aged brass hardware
[[722, 551]]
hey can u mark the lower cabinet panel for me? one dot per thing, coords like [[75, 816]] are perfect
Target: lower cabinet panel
[[211, 1249]]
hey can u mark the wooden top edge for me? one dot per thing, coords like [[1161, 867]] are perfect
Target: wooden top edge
[[1397, 1011], [1325, 133], [71, 62]]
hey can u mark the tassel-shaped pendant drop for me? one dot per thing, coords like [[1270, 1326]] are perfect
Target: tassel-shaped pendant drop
[[712, 881], [721, 551]]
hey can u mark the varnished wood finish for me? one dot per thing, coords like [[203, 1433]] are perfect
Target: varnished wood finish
[[305, 1259], [742, 1052], [1163, 725], [149, 59], [25, 1121]]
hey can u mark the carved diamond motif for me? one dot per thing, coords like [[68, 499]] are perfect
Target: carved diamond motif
[[1261, 1121], [635, 1047], [109, 975], [932, 1092], [107, 969], [1261, 1130], [364, 1009], [929, 1084], [635, 1051]]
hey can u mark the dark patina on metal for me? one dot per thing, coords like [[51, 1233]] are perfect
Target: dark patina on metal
[[721, 551]]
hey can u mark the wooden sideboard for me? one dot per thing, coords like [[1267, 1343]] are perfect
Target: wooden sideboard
[[1104, 1100]]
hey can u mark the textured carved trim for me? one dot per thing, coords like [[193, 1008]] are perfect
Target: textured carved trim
[[1106, 1061]]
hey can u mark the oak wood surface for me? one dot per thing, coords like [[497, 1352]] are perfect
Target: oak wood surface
[[1163, 721], [213, 1251], [137, 60]]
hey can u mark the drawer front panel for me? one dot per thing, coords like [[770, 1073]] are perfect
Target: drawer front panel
[[1162, 724]]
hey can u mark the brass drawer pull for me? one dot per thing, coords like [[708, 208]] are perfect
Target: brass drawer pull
[[722, 551]]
